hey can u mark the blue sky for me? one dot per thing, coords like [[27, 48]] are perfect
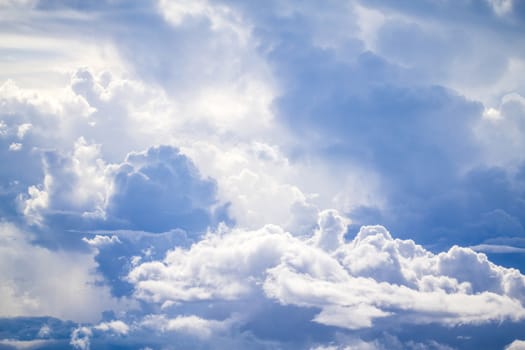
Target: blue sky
[[262, 175]]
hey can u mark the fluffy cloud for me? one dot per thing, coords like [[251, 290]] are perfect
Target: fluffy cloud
[[218, 267], [178, 197], [118, 327], [73, 183], [82, 185], [373, 276], [255, 179], [80, 338]]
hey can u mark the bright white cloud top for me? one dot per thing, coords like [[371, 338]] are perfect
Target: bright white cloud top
[[262, 175]]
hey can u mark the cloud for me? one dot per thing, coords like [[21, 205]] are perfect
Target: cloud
[[332, 227], [516, 345], [180, 175], [15, 146], [117, 327], [423, 138], [80, 191], [35, 286], [256, 179], [177, 195], [154, 330], [496, 248], [82, 186], [99, 240], [117, 252], [27, 344], [80, 338], [501, 131], [72, 183], [190, 325], [211, 268], [353, 284]]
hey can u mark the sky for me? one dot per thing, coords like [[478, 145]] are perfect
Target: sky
[[322, 175]]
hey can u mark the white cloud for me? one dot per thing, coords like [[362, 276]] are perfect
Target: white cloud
[[100, 240], [17, 3], [491, 114], [355, 302], [497, 248], [373, 276], [191, 325], [99, 117], [501, 131], [255, 178], [15, 146], [33, 281], [26, 344], [23, 129], [264, 186], [218, 267], [44, 331], [115, 326], [221, 16], [3, 128], [215, 98], [332, 227], [80, 338], [73, 183], [501, 7], [516, 345]]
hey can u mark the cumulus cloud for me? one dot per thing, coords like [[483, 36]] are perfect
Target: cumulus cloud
[[81, 186], [379, 111], [353, 284], [72, 183], [255, 178], [178, 196]]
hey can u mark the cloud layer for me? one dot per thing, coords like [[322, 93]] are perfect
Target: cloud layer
[[228, 175]]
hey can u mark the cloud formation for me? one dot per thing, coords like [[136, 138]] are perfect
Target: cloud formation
[[220, 174], [177, 195], [352, 284], [32, 274]]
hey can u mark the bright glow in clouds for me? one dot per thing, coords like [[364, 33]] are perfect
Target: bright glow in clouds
[[223, 174]]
